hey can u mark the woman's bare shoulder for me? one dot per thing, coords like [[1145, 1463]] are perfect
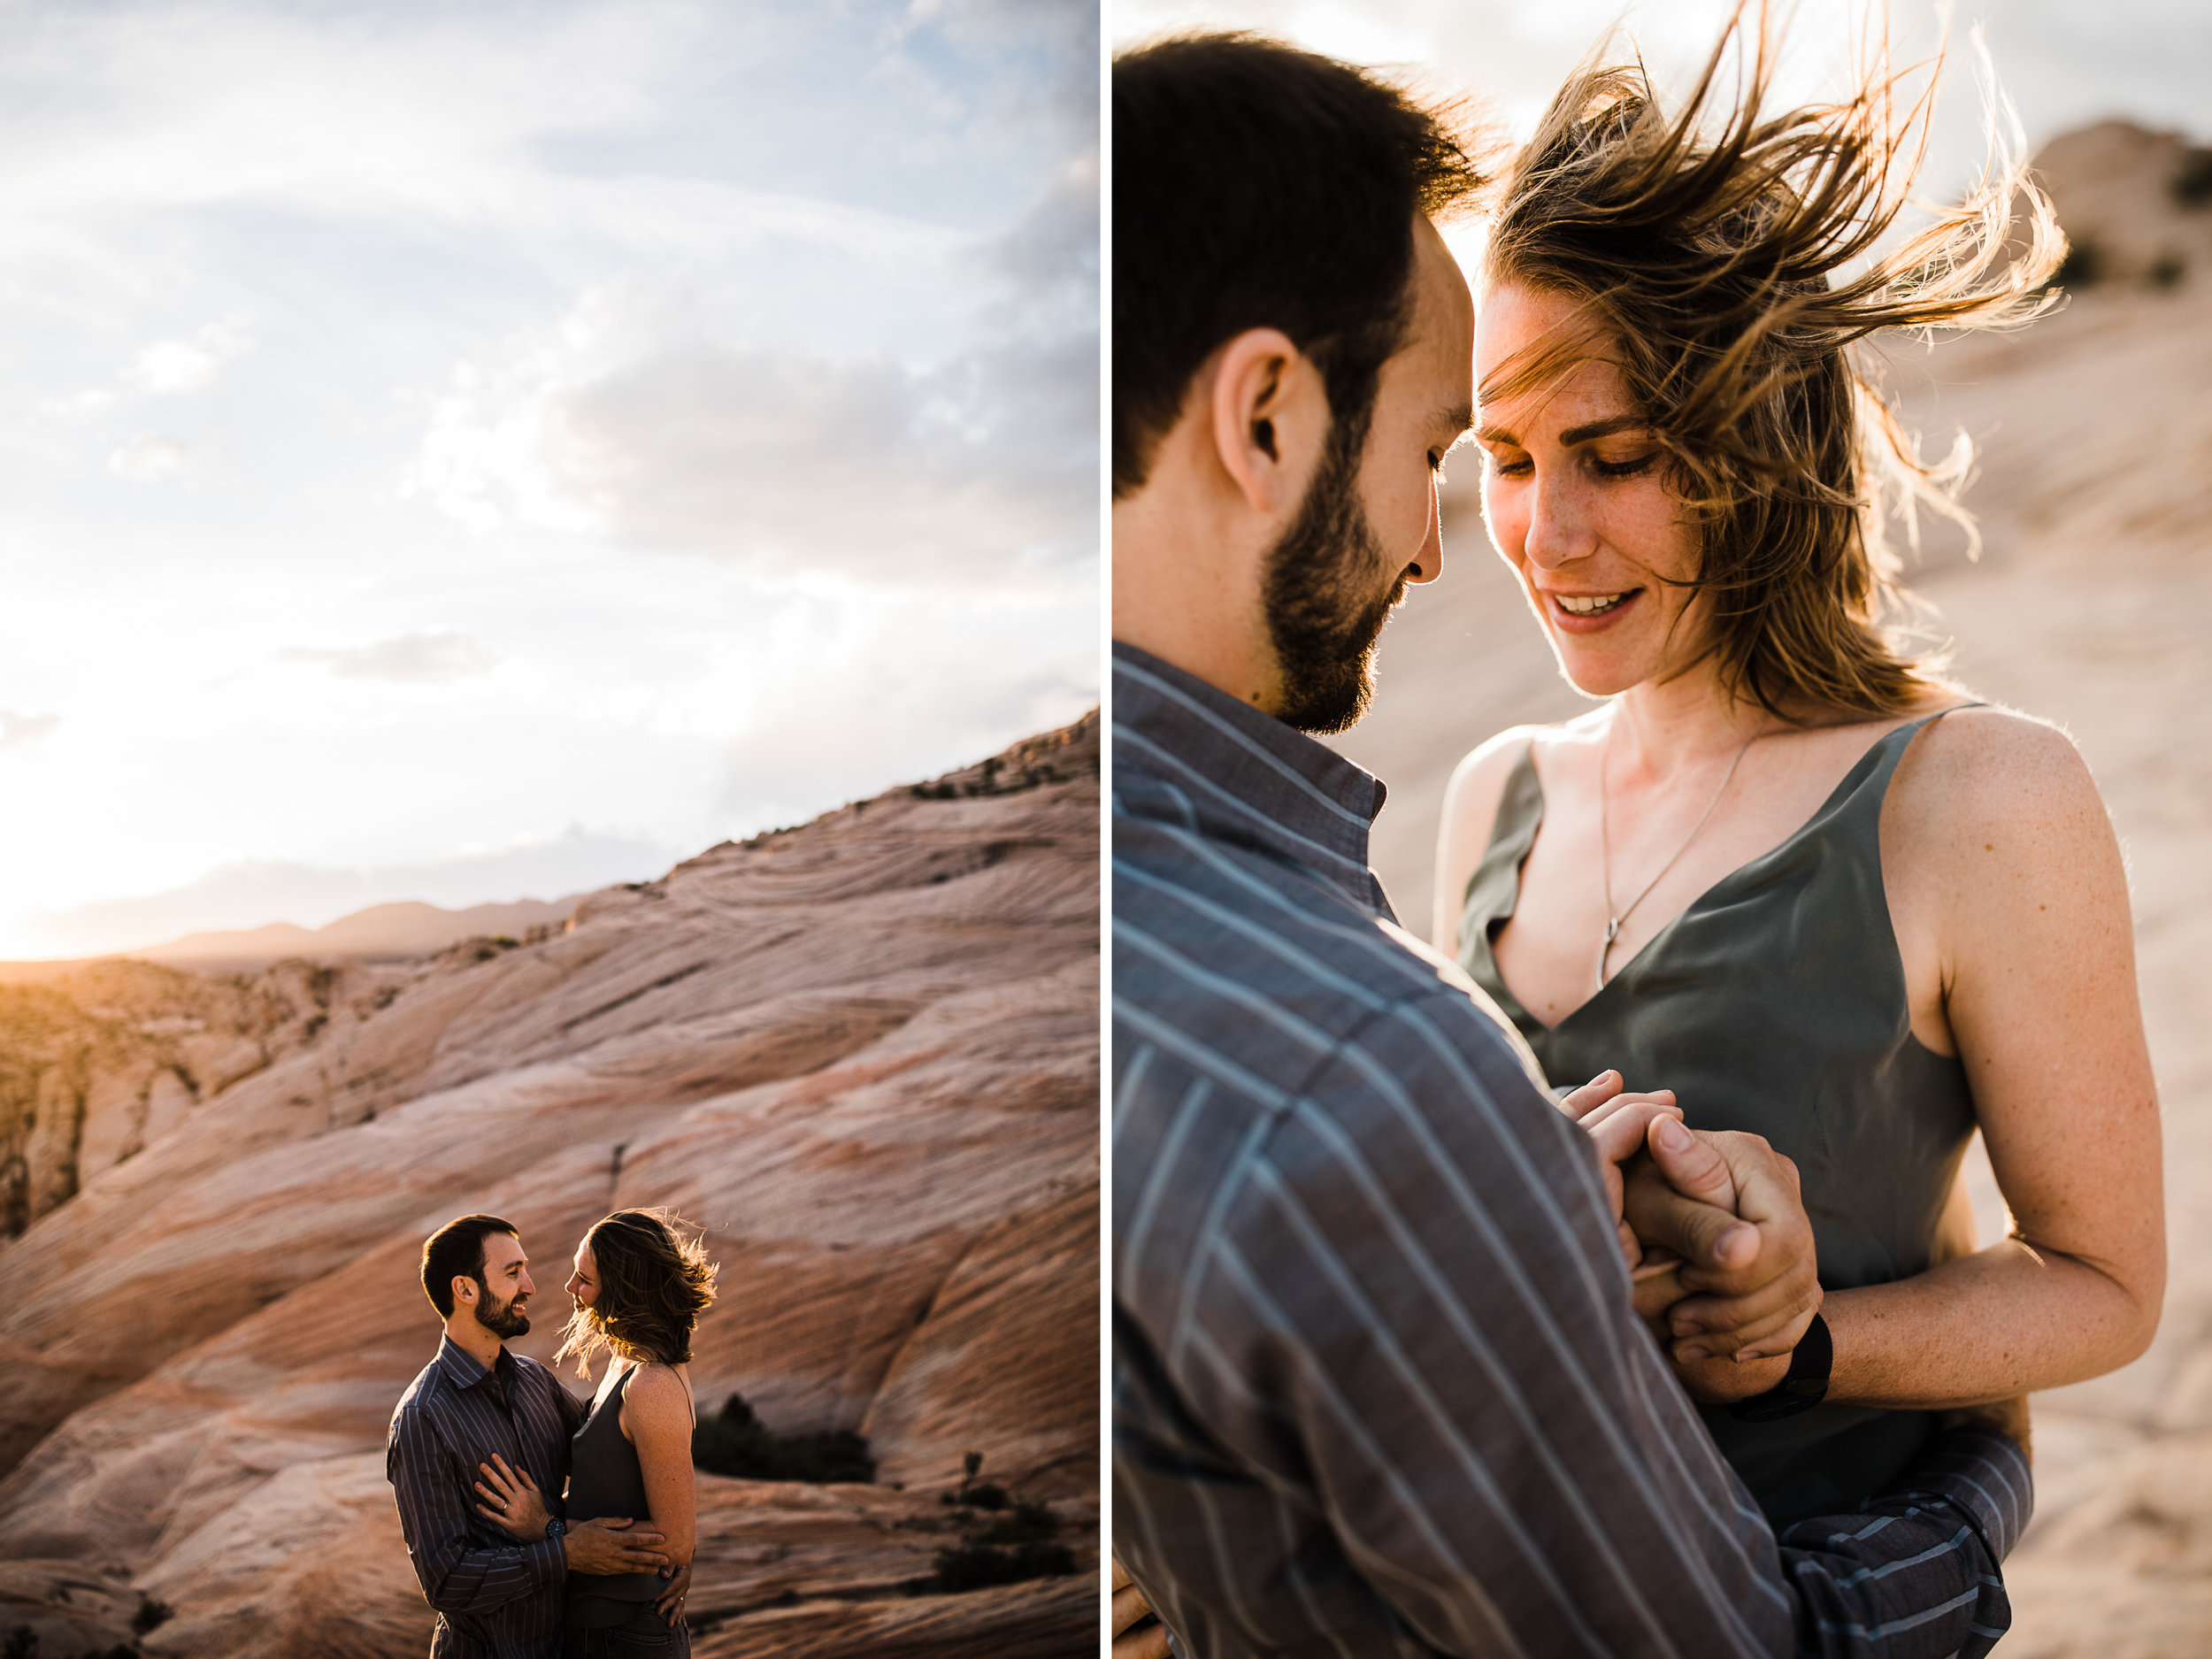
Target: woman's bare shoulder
[[657, 1395], [1993, 772], [1471, 797]]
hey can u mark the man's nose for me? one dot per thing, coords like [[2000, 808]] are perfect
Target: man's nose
[[1428, 564]]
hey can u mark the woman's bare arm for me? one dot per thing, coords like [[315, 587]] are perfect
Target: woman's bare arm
[[2007, 872], [656, 1417]]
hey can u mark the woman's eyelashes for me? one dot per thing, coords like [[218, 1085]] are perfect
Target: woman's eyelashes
[[1628, 468], [1521, 466]]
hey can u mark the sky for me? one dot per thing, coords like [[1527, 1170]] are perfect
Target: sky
[[2063, 62], [472, 451]]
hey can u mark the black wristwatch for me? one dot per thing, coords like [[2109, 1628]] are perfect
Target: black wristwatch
[[554, 1527], [1805, 1387]]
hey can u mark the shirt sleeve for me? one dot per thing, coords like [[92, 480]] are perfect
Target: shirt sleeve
[[435, 1504], [1413, 1301]]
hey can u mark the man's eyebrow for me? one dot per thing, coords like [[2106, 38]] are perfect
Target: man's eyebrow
[[1456, 419]]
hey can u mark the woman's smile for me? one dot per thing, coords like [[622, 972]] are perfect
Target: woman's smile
[[1588, 612]]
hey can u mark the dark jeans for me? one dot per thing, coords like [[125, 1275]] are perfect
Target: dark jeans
[[642, 1636]]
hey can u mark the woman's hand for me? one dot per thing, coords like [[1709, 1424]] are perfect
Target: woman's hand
[[671, 1603], [512, 1499], [1616, 1124]]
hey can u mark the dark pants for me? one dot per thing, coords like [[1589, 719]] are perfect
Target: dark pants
[[643, 1635]]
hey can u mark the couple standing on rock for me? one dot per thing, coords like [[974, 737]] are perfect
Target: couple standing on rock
[[1407, 1357], [490, 1455]]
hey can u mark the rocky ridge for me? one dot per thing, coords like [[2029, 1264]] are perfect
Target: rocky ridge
[[862, 1053]]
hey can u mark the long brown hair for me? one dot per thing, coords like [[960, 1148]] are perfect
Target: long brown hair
[[1707, 248], [654, 1283]]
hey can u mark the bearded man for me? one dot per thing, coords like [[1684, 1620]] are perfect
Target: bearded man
[[474, 1403]]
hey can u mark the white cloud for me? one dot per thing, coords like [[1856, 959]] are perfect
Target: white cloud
[[171, 367], [153, 460], [20, 730], [417, 660], [642, 420]]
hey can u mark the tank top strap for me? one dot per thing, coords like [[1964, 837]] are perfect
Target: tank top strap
[[1495, 883], [1866, 786]]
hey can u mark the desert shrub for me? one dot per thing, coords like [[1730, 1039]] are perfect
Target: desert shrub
[[735, 1442], [22, 1643], [1029, 1524], [2082, 267], [2192, 179], [979, 1566], [986, 1496], [152, 1614], [2168, 270]]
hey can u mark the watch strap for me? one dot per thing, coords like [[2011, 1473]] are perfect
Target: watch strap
[[1803, 1387]]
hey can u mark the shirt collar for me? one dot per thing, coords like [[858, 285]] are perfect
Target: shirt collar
[[1237, 774], [461, 1367]]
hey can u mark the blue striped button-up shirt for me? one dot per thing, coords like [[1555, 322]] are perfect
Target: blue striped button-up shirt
[[497, 1599], [1378, 1386]]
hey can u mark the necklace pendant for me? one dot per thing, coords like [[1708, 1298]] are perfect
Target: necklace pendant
[[1612, 928]]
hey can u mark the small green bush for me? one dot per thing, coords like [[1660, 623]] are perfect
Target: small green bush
[[2168, 270], [152, 1614], [22, 1643], [736, 1442]]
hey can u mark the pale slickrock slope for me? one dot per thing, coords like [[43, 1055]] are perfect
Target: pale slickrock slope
[[2092, 606], [863, 1053]]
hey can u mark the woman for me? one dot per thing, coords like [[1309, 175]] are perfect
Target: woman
[[1788, 870], [639, 1287]]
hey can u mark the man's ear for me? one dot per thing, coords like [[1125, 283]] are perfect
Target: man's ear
[[1270, 418], [464, 1289]]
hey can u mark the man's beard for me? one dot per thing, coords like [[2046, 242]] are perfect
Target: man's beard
[[1323, 631], [508, 1319]]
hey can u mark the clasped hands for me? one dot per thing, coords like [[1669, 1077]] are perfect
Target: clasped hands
[[1716, 1236]]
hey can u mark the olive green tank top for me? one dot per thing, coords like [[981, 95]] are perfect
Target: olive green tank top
[[605, 1477], [1776, 1003]]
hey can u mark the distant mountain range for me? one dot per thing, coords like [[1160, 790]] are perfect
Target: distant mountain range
[[383, 933]]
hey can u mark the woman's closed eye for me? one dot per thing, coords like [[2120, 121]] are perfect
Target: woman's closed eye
[[1627, 468]]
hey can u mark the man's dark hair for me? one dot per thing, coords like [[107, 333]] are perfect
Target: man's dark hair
[[456, 1250], [1256, 186]]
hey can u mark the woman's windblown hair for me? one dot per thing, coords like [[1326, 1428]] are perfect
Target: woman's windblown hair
[[1728, 261], [654, 1283]]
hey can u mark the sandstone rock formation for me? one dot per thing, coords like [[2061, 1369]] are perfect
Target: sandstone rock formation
[[2091, 606], [863, 1054]]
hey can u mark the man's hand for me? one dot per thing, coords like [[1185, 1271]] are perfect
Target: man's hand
[[1728, 1206], [1137, 1633], [612, 1544], [671, 1604]]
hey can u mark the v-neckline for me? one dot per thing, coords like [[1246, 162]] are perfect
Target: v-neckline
[[1848, 785]]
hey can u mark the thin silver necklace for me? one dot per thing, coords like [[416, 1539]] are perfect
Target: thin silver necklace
[[1614, 918]]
